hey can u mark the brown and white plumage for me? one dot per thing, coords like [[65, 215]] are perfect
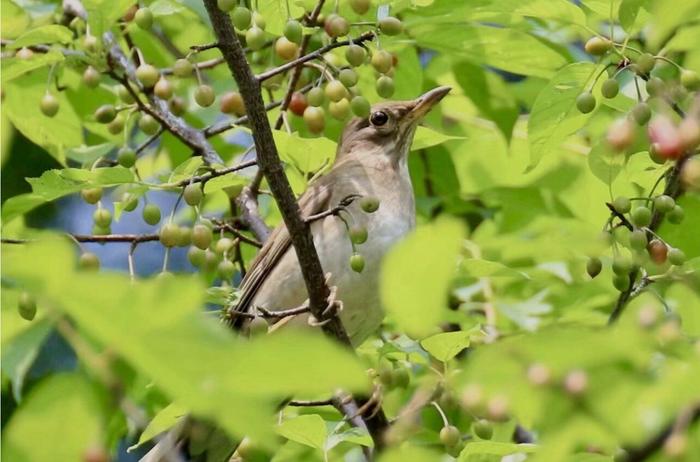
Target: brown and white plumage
[[371, 161]]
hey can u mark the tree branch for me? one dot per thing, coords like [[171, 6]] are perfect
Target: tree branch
[[269, 163], [313, 55]]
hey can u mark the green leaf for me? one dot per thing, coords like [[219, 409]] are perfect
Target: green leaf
[[305, 429], [479, 268], [604, 164], [447, 345], [554, 115], [15, 20], [19, 354], [409, 453], [103, 14], [307, 154], [488, 92], [634, 14], [54, 184], [15, 67], [276, 13], [555, 10], [167, 418], [606, 9], [88, 154], [65, 411], [493, 448], [416, 274], [508, 49], [353, 435], [52, 33], [165, 7], [426, 138], [55, 134]]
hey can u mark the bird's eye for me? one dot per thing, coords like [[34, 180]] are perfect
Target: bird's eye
[[379, 118]]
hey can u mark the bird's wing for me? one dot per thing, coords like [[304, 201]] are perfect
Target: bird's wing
[[316, 199]]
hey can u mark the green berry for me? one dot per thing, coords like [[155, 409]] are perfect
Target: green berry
[[148, 124], [151, 214], [89, 262], [102, 217], [126, 157], [690, 80], [196, 256], [129, 202], [594, 266], [259, 20], [144, 18], [315, 97], [598, 46], [340, 110], [645, 64], [638, 239], [348, 77], [610, 88], [390, 26], [355, 55], [664, 203], [184, 236], [314, 117], [226, 5], [382, 61], [125, 95], [622, 264], [335, 91], [177, 105], [26, 305], [193, 194], [100, 231], [655, 86], [358, 234], [183, 68], [402, 377], [255, 38], [360, 6], [676, 215], [360, 106], [241, 18], [116, 126], [450, 436], [385, 86], [369, 204], [204, 95], [585, 102], [641, 216], [148, 75], [621, 282], [163, 89], [293, 31], [226, 269], [105, 114], [91, 77], [622, 204], [357, 262], [641, 113], [168, 234], [483, 429], [676, 256], [49, 105], [91, 195], [223, 245], [336, 26], [202, 236]]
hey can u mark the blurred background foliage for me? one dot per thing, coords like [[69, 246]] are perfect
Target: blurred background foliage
[[490, 312]]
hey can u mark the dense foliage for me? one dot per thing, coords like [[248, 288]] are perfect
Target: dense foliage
[[514, 326]]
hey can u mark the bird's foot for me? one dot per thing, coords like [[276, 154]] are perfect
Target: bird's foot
[[333, 308], [372, 406], [335, 211]]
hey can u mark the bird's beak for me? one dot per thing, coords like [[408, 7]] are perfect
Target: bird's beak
[[425, 103]]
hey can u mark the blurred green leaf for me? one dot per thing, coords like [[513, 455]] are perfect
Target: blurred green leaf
[[416, 294], [16, 67], [305, 429], [426, 138], [63, 409], [493, 448], [554, 115], [19, 353], [447, 345], [167, 418], [53, 33], [103, 14], [15, 20]]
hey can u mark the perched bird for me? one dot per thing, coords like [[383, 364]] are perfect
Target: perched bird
[[371, 161]]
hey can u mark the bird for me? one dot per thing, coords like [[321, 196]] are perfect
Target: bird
[[371, 162]]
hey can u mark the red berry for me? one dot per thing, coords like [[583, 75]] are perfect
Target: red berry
[[298, 103]]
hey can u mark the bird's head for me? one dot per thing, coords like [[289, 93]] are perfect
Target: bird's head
[[389, 129]]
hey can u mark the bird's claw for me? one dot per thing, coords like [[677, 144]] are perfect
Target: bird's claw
[[333, 307]]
